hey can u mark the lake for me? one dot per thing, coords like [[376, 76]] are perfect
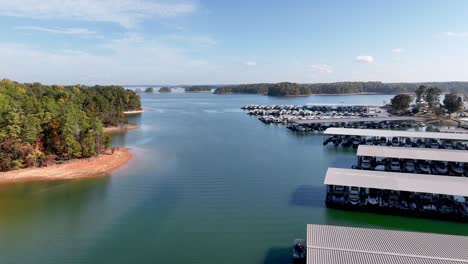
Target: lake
[[207, 184]]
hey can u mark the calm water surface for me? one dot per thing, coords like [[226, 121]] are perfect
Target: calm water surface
[[208, 184]]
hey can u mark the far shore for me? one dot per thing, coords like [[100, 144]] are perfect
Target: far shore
[[99, 166], [121, 128]]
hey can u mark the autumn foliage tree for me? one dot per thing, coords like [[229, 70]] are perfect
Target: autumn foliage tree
[[41, 123]]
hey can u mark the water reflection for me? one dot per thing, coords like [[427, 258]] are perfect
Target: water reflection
[[23, 204]]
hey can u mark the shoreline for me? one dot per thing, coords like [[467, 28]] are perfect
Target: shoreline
[[134, 112], [122, 128], [98, 166]]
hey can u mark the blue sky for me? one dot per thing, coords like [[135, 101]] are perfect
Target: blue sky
[[215, 42]]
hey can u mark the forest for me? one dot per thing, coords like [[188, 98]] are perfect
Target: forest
[[198, 88], [297, 89], [44, 124]]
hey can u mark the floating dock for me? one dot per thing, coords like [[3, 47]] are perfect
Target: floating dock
[[395, 133], [341, 245]]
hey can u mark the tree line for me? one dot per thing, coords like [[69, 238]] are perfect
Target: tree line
[[298, 89], [427, 98], [198, 88], [42, 124]]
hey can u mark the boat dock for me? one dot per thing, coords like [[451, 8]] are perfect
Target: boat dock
[[334, 244], [358, 119], [403, 182], [449, 155], [395, 133]]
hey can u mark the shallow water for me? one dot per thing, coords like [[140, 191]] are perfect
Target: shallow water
[[208, 184]]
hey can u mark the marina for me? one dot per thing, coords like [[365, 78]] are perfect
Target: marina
[[337, 244]]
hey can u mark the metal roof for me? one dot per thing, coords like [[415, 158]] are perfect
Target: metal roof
[[409, 182], [336, 244], [413, 153], [356, 119], [394, 133]]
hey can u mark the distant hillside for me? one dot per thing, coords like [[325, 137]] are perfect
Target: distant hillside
[[297, 89], [164, 90], [198, 88]]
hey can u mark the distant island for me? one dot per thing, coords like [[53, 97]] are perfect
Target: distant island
[[42, 125], [149, 90], [298, 89], [165, 89], [198, 89]]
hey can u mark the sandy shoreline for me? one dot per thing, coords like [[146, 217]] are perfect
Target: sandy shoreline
[[134, 112], [102, 165], [121, 128]]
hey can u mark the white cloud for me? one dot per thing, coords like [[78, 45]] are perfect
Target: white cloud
[[456, 34], [250, 63], [127, 13], [64, 31], [321, 68], [129, 60], [398, 50], [364, 58]]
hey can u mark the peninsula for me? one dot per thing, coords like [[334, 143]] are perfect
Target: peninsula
[[58, 131]]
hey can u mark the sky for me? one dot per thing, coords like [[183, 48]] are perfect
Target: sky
[[229, 42]]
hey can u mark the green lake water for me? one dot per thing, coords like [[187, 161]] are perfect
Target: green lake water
[[207, 184]]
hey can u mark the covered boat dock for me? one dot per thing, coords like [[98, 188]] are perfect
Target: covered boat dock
[[449, 155], [395, 133], [421, 183], [355, 120], [335, 244]]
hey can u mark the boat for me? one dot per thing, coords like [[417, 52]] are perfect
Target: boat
[[409, 166], [446, 204], [447, 145], [354, 196], [367, 163], [456, 168], [432, 143], [394, 165], [356, 141], [299, 250], [460, 146], [424, 167], [373, 198], [337, 194], [383, 141], [420, 143], [408, 143], [440, 168], [427, 202]]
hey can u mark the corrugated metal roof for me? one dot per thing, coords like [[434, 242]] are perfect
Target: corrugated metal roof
[[394, 133], [413, 153], [409, 182], [356, 119], [335, 244]]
